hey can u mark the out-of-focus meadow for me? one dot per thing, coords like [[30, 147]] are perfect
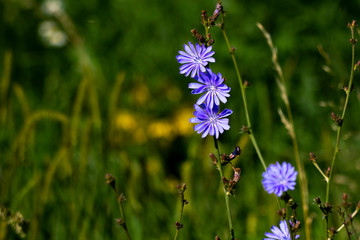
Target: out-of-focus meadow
[[93, 87]]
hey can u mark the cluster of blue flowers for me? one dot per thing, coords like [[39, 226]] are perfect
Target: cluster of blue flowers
[[195, 60], [279, 178]]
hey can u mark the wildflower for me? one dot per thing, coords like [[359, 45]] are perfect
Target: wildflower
[[194, 59], [281, 233], [212, 86], [279, 178], [210, 121]]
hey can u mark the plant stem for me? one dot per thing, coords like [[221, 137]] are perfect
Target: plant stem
[[352, 216], [348, 91], [227, 202], [120, 199], [321, 172], [181, 214], [243, 94], [287, 219]]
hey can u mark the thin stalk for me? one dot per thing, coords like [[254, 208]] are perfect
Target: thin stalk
[[321, 172], [339, 128], [288, 221], [352, 216], [181, 215], [289, 124], [227, 202], [120, 199], [243, 94], [110, 180]]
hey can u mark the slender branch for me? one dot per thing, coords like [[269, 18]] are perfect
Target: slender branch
[[243, 94], [339, 128], [227, 202], [122, 221], [352, 216], [110, 180], [179, 224], [321, 172]]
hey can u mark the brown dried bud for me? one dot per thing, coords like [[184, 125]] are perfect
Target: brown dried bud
[[296, 226], [178, 225], [286, 197], [213, 158], [196, 34], [246, 84], [352, 24], [121, 198], [216, 13], [245, 129], [337, 119], [328, 170], [210, 42], [346, 88], [181, 188], [204, 16], [331, 232], [217, 238], [120, 221], [353, 40], [317, 200], [357, 64], [312, 157], [225, 181], [328, 207], [223, 157], [237, 172], [110, 180], [282, 213], [345, 197]]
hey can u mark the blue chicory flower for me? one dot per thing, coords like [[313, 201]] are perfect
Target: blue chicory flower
[[281, 233], [194, 59], [210, 120], [212, 86], [279, 178]]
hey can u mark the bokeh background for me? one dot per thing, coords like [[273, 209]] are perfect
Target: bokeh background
[[93, 87]]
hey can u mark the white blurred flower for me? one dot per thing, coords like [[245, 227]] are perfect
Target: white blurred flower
[[52, 7], [51, 34]]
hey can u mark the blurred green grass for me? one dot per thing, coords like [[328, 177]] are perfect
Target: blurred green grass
[[111, 100]]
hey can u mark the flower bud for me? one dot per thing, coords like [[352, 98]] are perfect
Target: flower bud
[[110, 180], [312, 157], [178, 225], [235, 153]]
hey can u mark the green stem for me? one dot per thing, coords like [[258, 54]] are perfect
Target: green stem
[[227, 202], [348, 91], [243, 94], [181, 214], [287, 219], [122, 214]]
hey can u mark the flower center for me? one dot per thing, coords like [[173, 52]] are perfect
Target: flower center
[[198, 60], [212, 88], [212, 120], [283, 181]]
